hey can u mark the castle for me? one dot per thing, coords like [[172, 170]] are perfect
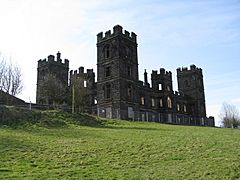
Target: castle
[[118, 93]]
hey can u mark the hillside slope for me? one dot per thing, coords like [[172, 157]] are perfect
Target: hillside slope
[[60, 145]]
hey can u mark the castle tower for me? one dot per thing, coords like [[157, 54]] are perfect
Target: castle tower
[[84, 87], [162, 81], [51, 74], [117, 73], [190, 83]]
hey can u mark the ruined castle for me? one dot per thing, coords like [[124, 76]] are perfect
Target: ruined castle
[[118, 93]]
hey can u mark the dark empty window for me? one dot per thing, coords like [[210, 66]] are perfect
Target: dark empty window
[[129, 71], [161, 102], [186, 83], [106, 51], [108, 91], [107, 71], [129, 90]]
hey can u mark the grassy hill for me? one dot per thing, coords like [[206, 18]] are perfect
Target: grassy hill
[[58, 145]]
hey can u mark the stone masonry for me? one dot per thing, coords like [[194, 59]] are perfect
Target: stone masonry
[[119, 94]]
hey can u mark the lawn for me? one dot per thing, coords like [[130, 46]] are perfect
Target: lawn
[[114, 149]]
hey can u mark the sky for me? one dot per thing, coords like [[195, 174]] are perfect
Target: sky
[[171, 34]]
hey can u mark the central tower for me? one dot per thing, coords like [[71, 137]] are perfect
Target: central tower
[[117, 73]]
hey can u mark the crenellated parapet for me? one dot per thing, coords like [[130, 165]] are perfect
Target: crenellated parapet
[[79, 76], [162, 74], [161, 80], [51, 60], [80, 72], [193, 68], [117, 31], [167, 75]]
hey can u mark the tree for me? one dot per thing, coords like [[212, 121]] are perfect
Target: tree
[[53, 90], [230, 116], [10, 78]]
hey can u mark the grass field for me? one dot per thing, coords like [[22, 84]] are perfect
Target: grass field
[[63, 146]]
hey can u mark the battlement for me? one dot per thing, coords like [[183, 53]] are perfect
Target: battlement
[[80, 72], [117, 30], [163, 73], [193, 68], [51, 59]]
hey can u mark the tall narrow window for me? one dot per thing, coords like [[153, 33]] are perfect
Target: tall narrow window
[[129, 71], [161, 102], [107, 91], [106, 51], [184, 108], [178, 107], [153, 102], [129, 90], [169, 102], [142, 100], [160, 87], [108, 71], [85, 83]]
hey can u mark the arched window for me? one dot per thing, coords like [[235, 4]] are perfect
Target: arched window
[[153, 102], [129, 90], [184, 108], [95, 101], [161, 102], [178, 107], [169, 102]]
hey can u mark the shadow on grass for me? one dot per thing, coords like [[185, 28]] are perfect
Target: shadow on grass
[[24, 119]]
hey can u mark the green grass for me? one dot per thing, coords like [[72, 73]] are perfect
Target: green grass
[[58, 145]]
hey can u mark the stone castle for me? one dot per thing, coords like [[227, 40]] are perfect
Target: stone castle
[[118, 93]]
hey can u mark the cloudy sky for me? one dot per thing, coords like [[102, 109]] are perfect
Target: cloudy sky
[[171, 34]]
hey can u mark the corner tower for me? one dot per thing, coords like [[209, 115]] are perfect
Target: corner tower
[[190, 83], [117, 73]]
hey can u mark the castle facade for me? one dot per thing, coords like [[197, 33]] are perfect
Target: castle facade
[[118, 93]]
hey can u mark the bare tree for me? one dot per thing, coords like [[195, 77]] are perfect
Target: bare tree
[[2, 71], [10, 78], [230, 116]]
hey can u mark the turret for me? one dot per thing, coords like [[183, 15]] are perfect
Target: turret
[[190, 83], [146, 78], [162, 81]]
